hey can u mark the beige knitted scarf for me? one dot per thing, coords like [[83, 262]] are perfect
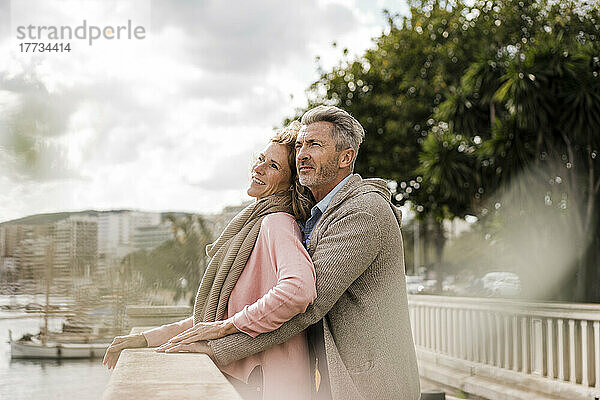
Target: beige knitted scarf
[[229, 255]]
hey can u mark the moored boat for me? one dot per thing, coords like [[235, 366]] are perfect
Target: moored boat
[[33, 348], [55, 345]]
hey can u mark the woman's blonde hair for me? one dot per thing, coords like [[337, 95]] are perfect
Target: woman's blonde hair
[[302, 198]]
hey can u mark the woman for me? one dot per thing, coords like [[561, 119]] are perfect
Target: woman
[[259, 276]]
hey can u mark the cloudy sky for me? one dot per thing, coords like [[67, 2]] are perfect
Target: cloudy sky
[[167, 122]]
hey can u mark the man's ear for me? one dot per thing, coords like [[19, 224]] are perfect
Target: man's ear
[[346, 158]]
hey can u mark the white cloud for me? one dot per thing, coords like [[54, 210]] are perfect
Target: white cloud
[[165, 123]]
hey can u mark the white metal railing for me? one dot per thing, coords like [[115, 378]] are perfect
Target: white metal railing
[[555, 341]]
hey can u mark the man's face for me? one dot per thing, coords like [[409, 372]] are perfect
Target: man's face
[[317, 160]]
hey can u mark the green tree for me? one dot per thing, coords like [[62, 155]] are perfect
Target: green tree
[[179, 263], [542, 89], [461, 100]]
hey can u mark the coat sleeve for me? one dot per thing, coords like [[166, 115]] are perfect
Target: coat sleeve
[[295, 288], [345, 250]]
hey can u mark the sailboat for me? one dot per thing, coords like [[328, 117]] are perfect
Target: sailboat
[[30, 346], [33, 348]]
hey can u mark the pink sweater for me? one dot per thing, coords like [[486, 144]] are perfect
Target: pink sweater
[[277, 283]]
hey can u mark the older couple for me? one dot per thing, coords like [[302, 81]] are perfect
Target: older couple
[[305, 294]]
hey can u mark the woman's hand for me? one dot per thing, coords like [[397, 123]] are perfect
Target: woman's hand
[[203, 331], [119, 344], [196, 347], [199, 332]]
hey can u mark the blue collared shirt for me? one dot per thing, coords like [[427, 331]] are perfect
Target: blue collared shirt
[[318, 210]]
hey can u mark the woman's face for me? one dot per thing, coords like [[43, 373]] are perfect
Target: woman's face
[[271, 172]]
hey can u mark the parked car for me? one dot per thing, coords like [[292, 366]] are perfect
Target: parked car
[[449, 285], [414, 284], [501, 284], [431, 286]]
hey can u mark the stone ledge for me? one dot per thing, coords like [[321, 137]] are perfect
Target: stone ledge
[[145, 374]]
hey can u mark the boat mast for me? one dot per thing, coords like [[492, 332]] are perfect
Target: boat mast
[[49, 262]]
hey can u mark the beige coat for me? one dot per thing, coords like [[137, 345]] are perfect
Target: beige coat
[[361, 294]]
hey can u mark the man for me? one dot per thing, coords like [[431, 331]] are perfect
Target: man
[[360, 317]]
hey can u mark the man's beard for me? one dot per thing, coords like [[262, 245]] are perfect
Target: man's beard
[[325, 174]]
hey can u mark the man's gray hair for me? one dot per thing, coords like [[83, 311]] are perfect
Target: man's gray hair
[[347, 131]]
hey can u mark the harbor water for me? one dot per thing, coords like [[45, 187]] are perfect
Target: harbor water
[[45, 379]]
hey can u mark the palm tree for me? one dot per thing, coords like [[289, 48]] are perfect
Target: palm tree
[[191, 238]]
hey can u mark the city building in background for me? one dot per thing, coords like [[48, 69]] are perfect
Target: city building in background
[[150, 237], [75, 245], [122, 232], [70, 249]]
